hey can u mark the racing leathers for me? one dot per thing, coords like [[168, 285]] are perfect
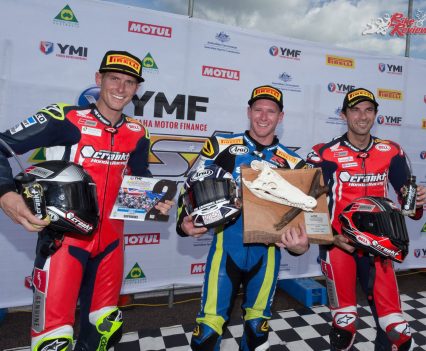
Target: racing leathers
[[86, 267], [351, 173], [230, 262]]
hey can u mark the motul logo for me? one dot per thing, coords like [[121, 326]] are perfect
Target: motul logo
[[222, 73], [142, 239], [198, 268], [150, 29]]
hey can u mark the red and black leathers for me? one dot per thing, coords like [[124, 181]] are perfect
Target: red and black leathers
[[351, 173], [93, 264]]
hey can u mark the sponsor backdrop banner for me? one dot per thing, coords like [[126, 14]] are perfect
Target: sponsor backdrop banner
[[199, 76]]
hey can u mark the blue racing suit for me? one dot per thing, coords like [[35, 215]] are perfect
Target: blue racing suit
[[230, 262]]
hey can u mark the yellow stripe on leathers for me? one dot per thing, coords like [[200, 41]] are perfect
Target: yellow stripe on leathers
[[265, 290]]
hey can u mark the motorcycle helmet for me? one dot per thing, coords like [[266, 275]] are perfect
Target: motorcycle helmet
[[376, 225], [70, 195], [211, 196]]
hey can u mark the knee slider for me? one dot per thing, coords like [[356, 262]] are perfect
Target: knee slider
[[343, 330], [400, 336], [204, 338], [255, 338]]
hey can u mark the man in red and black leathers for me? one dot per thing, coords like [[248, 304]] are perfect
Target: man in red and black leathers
[[108, 144], [353, 165]]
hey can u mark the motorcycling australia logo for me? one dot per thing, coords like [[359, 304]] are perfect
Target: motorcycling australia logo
[[66, 17], [135, 275]]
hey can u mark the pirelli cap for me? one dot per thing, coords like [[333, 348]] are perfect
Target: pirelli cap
[[122, 62], [356, 96], [267, 92]]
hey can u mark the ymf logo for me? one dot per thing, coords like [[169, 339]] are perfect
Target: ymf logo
[[423, 155], [149, 29], [340, 88], [198, 268], [391, 69], [218, 72], [345, 62], [46, 47], [389, 120], [66, 17], [286, 53], [420, 253]]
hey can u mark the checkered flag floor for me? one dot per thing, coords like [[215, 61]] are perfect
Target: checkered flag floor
[[304, 329]]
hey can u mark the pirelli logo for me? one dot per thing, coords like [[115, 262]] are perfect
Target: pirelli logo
[[345, 62], [388, 94], [286, 156], [360, 93], [230, 141], [424, 123], [123, 60], [267, 91]]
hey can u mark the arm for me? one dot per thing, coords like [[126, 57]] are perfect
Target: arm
[[49, 127], [399, 172]]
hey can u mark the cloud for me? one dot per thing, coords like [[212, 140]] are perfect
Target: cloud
[[335, 22]]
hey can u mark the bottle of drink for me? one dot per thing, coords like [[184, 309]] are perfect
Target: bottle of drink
[[409, 196], [33, 194]]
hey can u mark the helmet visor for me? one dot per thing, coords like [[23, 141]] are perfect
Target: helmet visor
[[381, 223], [209, 191], [75, 195]]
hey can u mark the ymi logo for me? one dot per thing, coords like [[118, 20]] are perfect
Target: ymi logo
[[339, 88], [390, 69], [389, 120], [397, 24], [285, 53], [46, 47]]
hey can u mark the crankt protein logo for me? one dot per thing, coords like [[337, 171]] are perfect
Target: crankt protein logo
[[66, 17]]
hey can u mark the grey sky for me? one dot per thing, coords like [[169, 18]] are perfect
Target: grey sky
[[336, 22]]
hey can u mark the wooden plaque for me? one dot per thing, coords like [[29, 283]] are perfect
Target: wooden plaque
[[259, 216]]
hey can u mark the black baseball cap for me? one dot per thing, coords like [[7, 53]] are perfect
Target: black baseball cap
[[267, 92], [355, 96], [122, 62]]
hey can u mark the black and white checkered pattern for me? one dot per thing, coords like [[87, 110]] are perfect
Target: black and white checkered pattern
[[303, 329]]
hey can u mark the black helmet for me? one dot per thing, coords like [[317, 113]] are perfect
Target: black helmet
[[70, 195], [211, 196], [376, 225]]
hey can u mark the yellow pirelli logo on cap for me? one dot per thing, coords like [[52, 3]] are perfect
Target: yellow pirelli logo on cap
[[267, 91], [388, 94], [361, 92], [123, 60], [338, 61]]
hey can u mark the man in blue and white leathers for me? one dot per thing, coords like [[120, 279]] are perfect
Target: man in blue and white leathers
[[230, 262]]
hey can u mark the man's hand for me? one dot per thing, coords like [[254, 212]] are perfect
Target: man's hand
[[295, 239], [164, 207], [14, 206], [421, 196], [189, 229], [343, 243]]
